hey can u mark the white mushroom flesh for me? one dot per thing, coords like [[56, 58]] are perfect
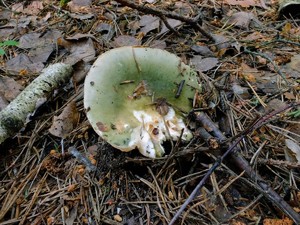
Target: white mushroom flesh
[[154, 129]]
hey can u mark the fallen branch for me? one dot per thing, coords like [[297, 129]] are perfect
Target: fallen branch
[[13, 117], [194, 22], [238, 160]]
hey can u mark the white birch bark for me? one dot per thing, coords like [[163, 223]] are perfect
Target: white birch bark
[[13, 117]]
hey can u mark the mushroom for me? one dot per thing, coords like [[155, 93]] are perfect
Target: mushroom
[[132, 100]]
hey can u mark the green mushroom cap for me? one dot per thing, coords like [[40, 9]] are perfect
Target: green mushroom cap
[[132, 98]]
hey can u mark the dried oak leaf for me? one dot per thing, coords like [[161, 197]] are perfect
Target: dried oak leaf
[[202, 50], [81, 50], [64, 123], [292, 68], [106, 30], [249, 73], [9, 88], [125, 40], [22, 64], [40, 45], [158, 44], [34, 8], [293, 150], [243, 20], [149, 23], [204, 64], [80, 6]]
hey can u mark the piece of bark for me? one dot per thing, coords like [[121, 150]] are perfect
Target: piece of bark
[[13, 117]]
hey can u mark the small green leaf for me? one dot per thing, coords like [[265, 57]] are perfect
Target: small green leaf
[[295, 113], [10, 43], [63, 3], [2, 52]]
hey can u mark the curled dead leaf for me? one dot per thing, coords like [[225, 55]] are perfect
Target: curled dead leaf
[[64, 123]]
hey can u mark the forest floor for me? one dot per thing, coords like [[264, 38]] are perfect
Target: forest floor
[[247, 57]]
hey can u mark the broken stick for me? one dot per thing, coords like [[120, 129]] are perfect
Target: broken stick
[[13, 117]]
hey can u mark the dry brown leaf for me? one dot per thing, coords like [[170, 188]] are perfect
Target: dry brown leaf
[[9, 88], [40, 54], [64, 43], [248, 73], [294, 149], [203, 50], [125, 40], [243, 20], [81, 50], [80, 6], [82, 16], [41, 45], [47, 17], [149, 23], [14, 26], [64, 123], [293, 68], [295, 128], [107, 31], [289, 96], [80, 70], [266, 82], [22, 63], [34, 40], [247, 3], [235, 222], [274, 104], [20, 24], [134, 26], [184, 8], [79, 36], [18, 7], [241, 91], [221, 41], [254, 36], [34, 8], [204, 64], [285, 221], [5, 14], [158, 44]]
